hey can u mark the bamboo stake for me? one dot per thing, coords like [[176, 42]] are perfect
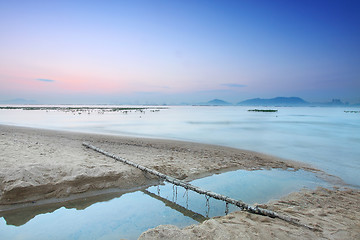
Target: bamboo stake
[[186, 212], [243, 206]]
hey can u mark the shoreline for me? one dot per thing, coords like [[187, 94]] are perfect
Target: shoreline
[[40, 164], [45, 167]]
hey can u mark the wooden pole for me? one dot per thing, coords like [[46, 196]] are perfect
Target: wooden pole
[[243, 206], [186, 212]]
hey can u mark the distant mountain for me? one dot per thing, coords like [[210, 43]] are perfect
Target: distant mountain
[[18, 101], [278, 101], [217, 102]]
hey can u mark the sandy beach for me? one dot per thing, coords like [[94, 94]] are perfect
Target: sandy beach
[[42, 166]]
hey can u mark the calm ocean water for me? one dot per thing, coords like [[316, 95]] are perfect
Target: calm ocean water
[[327, 138]]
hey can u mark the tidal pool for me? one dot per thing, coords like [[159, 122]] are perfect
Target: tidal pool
[[127, 215]]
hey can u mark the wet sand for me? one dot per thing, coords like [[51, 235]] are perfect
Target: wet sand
[[42, 166]]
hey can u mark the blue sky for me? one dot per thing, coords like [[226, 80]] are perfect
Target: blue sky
[[179, 51]]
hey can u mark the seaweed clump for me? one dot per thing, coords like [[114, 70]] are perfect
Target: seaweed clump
[[262, 110]]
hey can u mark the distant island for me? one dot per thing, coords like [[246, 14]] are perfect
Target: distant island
[[216, 102], [278, 101]]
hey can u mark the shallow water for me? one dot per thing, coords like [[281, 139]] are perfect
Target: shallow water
[[327, 138], [131, 214]]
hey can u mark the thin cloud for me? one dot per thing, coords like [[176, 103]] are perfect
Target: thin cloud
[[158, 86], [233, 85], [146, 93], [44, 80]]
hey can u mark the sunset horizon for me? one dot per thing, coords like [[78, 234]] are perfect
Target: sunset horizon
[[173, 52]]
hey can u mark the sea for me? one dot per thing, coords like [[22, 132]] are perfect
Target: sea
[[327, 138]]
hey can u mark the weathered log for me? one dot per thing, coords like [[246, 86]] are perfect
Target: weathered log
[[243, 206]]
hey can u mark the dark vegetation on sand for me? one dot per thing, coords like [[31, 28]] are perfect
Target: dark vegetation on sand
[[262, 110]]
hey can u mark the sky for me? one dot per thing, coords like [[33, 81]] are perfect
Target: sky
[[179, 51]]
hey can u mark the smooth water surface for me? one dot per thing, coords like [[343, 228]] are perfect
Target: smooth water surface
[[131, 214], [327, 138]]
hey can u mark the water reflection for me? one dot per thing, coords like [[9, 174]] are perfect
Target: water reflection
[[20, 214], [173, 205], [119, 215]]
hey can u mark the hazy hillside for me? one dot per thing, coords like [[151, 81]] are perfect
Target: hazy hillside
[[278, 101]]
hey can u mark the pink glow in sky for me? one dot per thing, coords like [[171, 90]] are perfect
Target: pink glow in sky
[[178, 51]]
